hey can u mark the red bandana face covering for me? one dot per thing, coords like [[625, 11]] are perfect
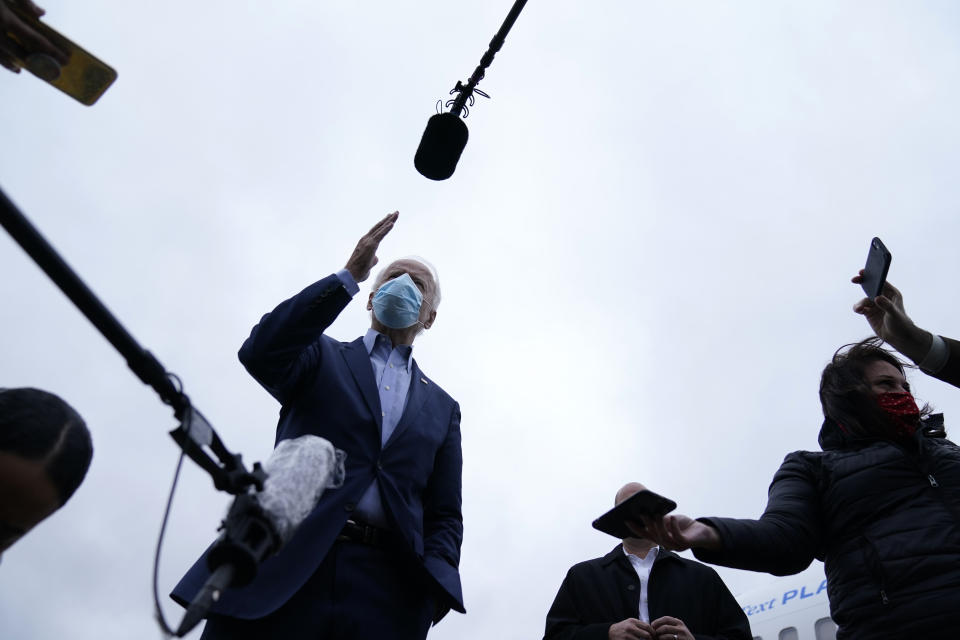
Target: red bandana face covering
[[902, 410]]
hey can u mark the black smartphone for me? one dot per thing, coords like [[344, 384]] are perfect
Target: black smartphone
[[642, 503], [875, 271], [84, 77]]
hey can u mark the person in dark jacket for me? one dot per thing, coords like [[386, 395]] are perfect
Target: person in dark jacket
[[640, 592], [45, 451], [880, 505]]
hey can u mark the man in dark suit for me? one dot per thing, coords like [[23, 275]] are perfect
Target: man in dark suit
[[377, 557], [641, 592]]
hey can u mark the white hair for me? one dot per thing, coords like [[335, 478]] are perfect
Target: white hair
[[435, 299]]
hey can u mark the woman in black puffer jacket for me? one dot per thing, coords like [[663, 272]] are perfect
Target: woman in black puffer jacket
[[880, 505]]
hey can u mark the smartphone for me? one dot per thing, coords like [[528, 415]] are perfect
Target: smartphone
[[875, 271], [84, 77], [639, 504]]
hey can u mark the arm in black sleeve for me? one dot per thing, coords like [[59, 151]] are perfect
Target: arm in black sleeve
[[564, 621], [284, 344], [787, 536], [950, 372]]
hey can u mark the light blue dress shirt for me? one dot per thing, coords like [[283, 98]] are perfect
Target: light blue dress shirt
[[391, 370]]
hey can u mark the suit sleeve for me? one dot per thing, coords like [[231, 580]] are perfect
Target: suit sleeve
[[284, 345], [442, 516], [787, 536], [950, 373], [731, 622], [564, 621]]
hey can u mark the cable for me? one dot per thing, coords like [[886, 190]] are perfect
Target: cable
[[158, 613]]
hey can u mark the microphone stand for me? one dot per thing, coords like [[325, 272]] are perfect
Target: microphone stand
[[194, 433], [465, 93]]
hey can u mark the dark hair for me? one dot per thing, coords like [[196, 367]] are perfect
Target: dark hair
[[846, 396], [38, 425]]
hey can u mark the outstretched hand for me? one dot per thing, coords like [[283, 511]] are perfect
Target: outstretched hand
[[29, 38], [678, 533], [889, 320], [364, 256]]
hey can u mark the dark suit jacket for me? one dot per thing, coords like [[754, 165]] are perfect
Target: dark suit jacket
[[327, 388], [600, 592], [951, 370]]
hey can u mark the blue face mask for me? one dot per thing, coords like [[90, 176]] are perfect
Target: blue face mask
[[396, 304]]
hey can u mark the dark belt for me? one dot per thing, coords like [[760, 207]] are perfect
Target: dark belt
[[364, 533]]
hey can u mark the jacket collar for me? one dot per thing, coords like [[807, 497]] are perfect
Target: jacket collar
[[617, 555], [373, 337], [832, 437]]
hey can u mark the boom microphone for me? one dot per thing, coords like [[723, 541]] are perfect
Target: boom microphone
[[446, 134], [259, 524], [440, 148]]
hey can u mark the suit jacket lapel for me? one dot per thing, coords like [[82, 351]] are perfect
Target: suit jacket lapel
[[359, 362], [416, 396]]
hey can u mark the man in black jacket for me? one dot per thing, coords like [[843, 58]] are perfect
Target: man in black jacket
[[641, 592]]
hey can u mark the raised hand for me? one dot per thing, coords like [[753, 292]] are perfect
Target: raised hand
[[889, 320], [364, 256]]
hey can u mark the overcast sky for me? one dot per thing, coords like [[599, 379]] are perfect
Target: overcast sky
[[645, 254]]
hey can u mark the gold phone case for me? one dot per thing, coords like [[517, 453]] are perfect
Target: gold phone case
[[84, 77]]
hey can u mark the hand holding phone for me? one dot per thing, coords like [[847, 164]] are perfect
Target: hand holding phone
[[889, 320], [26, 42], [22, 38], [643, 503]]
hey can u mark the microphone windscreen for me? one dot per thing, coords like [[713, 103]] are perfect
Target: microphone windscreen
[[440, 148], [299, 469]]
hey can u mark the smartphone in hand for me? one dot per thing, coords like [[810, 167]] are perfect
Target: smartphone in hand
[[875, 271], [642, 503], [83, 77]]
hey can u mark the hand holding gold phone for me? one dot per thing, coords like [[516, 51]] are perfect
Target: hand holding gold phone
[[28, 43]]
